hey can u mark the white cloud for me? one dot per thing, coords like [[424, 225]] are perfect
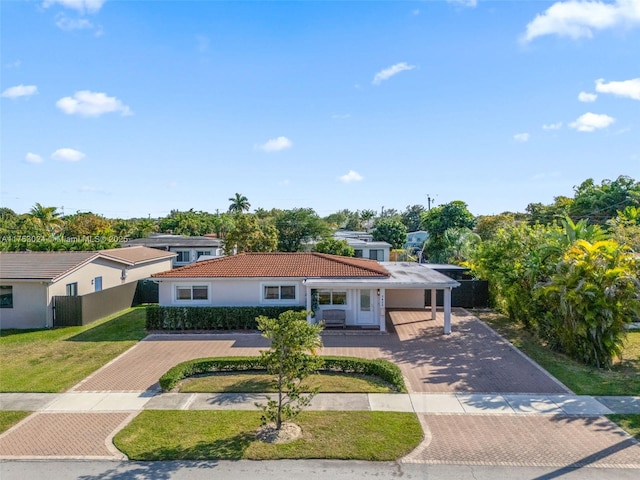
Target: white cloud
[[552, 126], [391, 71], [20, 91], [92, 104], [464, 3], [64, 22], [587, 97], [625, 88], [82, 6], [521, 137], [67, 155], [590, 122], [32, 158], [276, 144], [350, 176], [576, 19]]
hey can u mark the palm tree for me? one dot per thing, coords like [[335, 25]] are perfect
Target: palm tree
[[47, 217], [239, 204]]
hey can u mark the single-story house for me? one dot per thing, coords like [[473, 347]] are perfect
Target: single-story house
[[187, 249], [362, 288], [29, 281]]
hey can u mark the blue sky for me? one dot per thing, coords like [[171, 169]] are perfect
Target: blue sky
[[134, 108]]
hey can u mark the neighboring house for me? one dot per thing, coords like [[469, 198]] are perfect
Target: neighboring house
[[29, 281], [415, 240], [362, 288], [187, 249], [370, 249], [344, 234]]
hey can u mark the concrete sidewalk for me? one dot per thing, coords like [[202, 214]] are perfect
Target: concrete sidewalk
[[442, 403]]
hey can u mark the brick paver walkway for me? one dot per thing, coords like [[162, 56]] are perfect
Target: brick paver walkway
[[531, 440], [64, 435]]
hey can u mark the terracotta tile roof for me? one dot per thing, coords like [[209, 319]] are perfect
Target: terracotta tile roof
[[301, 265]]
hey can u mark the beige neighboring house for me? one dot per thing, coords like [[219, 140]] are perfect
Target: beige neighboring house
[[361, 290], [29, 281]]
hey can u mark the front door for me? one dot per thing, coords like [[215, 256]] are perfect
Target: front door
[[365, 307]]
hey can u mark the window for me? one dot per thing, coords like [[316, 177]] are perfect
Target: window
[[184, 256], [97, 284], [200, 253], [376, 254], [192, 292], [332, 297], [6, 296], [279, 292], [72, 289], [357, 253]]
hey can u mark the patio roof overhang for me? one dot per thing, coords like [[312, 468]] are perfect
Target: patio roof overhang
[[403, 275]]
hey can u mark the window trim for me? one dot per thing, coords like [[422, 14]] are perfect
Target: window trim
[[191, 300], [331, 292], [279, 300], [9, 295], [71, 289], [181, 253]]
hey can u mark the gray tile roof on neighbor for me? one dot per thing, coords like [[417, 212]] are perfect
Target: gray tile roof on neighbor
[[167, 241], [51, 265]]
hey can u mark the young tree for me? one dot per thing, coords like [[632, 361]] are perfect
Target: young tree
[[291, 358]]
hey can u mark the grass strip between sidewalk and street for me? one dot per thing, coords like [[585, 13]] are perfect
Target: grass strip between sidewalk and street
[[56, 359], [231, 435], [9, 418]]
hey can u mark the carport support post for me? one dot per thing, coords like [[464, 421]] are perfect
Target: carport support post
[[447, 310], [434, 307]]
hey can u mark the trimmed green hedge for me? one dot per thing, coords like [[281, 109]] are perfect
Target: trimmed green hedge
[[382, 369], [209, 318]]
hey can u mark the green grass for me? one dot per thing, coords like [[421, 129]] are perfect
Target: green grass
[[622, 379], [629, 423], [263, 383], [9, 418], [54, 360], [230, 435]]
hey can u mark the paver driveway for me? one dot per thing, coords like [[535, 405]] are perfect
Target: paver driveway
[[472, 359]]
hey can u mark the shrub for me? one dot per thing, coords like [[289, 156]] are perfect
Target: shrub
[[382, 369], [209, 318]]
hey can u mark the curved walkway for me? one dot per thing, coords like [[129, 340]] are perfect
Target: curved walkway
[[480, 401]]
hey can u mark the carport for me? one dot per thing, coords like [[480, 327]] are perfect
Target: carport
[[403, 288]]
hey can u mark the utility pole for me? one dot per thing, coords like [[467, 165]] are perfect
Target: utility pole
[[429, 202]]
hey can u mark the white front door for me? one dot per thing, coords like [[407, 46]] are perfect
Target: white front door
[[366, 307]]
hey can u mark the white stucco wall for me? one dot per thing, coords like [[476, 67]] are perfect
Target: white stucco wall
[[399, 298], [228, 292], [29, 306]]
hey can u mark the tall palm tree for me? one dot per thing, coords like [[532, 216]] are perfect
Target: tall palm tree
[[239, 204], [47, 217]]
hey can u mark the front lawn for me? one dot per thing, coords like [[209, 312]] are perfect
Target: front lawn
[[259, 382], [230, 435], [629, 423], [56, 359]]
